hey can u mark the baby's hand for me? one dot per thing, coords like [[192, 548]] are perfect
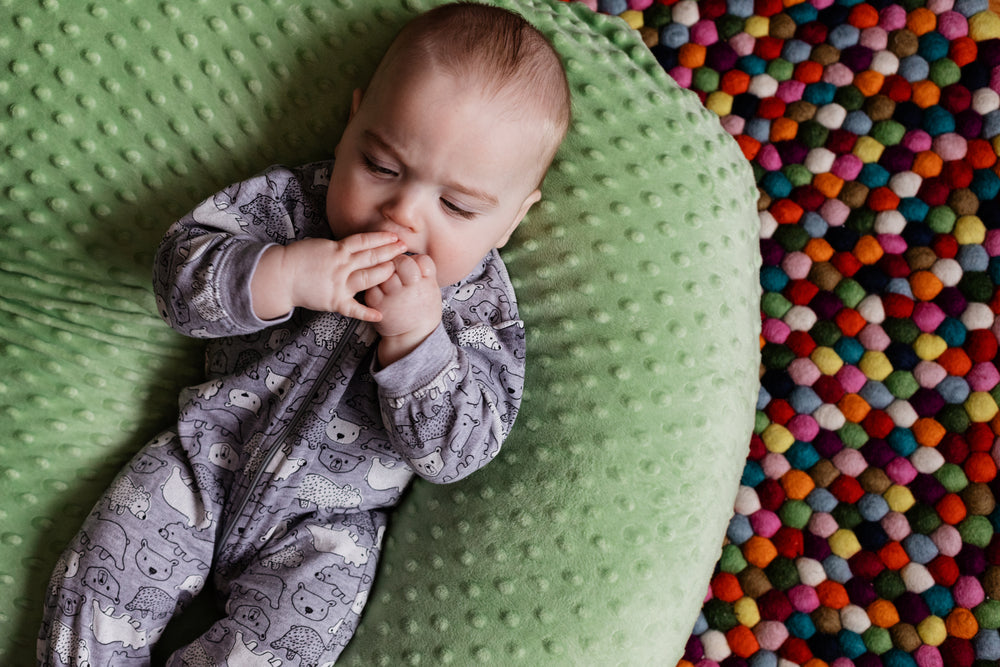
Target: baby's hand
[[410, 303], [324, 275]]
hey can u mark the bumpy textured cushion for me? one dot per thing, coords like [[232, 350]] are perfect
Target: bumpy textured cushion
[[592, 538]]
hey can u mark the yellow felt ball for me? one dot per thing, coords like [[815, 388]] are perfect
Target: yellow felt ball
[[747, 612], [932, 630], [633, 18], [984, 25], [899, 498], [757, 26], [981, 407], [777, 438], [969, 230], [720, 102], [827, 360], [844, 543], [875, 365], [867, 149], [929, 347]]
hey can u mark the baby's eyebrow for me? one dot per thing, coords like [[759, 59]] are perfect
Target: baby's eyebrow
[[483, 196]]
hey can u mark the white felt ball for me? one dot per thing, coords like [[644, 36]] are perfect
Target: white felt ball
[[715, 645], [985, 100], [916, 577], [800, 318], [811, 572], [820, 160], [829, 417], [902, 413], [927, 460], [890, 222], [747, 501], [872, 309], [905, 184], [854, 618], [948, 271], [977, 316], [831, 116]]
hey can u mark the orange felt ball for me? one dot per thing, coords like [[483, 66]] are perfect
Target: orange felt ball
[[927, 164], [783, 129], [853, 407], [863, 16], [963, 50], [797, 484], [883, 199], [955, 361], [926, 93], [921, 21], [692, 55], [832, 594], [735, 82], [748, 145], [726, 587], [980, 467], [742, 641], [928, 431], [979, 154], [883, 614], [951, 509], [828, 184], [894, 556], [759, 551], [925, 285], [786, 212], [849, 321], [867, 249], [818, 250], [808, 71], [961, 623], [869, 82]]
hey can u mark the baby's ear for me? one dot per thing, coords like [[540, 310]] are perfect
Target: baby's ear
[[529, 201], [356, 101]]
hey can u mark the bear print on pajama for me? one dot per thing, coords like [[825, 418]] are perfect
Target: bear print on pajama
[[274, 484]]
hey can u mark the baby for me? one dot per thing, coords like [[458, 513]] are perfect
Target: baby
[[363, 329]]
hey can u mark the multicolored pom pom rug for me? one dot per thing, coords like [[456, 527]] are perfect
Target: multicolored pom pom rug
[[865, 528]]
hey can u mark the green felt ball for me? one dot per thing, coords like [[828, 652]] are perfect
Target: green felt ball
[[944, 72], [850, 98], [923, 519], [847, 516], [812, 134], [850, 292], [901, 330], [853, 435], [720, 615], [952, 477], [792, 237], [795, 513], [775, 305], [889, 584], [732, 560], [705, 79], [976, 530], [888, 132], [826, 333], [976, 286], [878, 640], [954, 418], [780, 69], [797, 174], [941, 219], [901, 384], [777, 356], [987, 613], [783, 573]]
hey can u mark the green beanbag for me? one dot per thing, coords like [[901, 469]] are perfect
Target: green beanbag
[[591, 539]]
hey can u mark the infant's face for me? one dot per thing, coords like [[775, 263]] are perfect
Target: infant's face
[[437, 164]]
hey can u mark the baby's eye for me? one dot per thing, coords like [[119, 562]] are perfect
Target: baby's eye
[[377, 169], [455, 209]]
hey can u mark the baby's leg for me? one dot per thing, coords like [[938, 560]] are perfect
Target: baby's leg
[[300, 596], [142, 553]]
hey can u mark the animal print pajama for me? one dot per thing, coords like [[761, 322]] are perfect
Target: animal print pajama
[[276, 480]]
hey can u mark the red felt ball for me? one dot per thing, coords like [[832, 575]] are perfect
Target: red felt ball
[[771, 494], [774, 606], [981, 345], [894, 266], [779, 411], [812, 33], [897, 88], [980, 437], [953, 448], [945, 245], [878, 424], [866, 564], [767, 7], [846, 489], [801, 343], [963, 51], [829, 389], [768, 47], [956, 98], [789, 542], [771, 108], [796, 651], [934, 191], [957, 173], [846, 263], [897, 306], [957, 652], [801, 292], [944, 569]]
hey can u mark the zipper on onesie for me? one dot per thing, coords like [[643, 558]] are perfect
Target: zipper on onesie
[[279, 441]]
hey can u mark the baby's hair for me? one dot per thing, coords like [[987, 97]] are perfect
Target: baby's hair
[[496, 49]]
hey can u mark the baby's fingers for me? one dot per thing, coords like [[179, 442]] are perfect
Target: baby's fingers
[[366, 277]]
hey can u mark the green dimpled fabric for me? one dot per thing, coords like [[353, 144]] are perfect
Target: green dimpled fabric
[[591, 539]]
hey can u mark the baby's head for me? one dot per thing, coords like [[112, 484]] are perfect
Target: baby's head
[[450, 142], [495, 53]]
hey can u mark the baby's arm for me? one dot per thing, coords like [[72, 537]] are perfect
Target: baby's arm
[[222, 269], [449, 405]]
